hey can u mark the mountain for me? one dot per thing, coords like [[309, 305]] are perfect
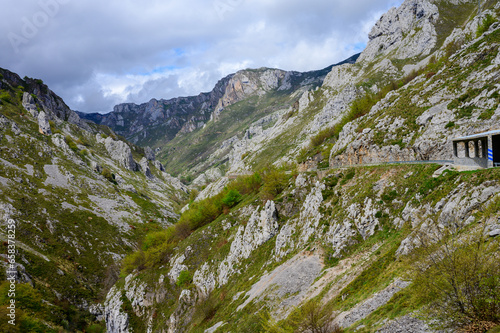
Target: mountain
[[159, 121], [80, 200], [296, 217]]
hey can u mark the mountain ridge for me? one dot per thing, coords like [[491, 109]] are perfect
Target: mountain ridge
[[181, 114]]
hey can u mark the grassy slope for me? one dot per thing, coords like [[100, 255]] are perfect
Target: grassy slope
[[212, 243]]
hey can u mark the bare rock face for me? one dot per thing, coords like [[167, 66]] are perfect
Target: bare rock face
[[150, 154], [408, 31], [43, 124], [362, 310], [406, 323], [144, 164], [244, 84], [121, 152], [159, 166], [59, 141], [30, 105], [260, 228], [182, 315], [116, 320]]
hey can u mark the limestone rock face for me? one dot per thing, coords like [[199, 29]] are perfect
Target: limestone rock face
[[150, 154], [29, 104], [120, 152], [95, 167], [159, 166], [60, 141], [260, 228], [116, 320], [43, 124], [144, 164], [362, 310], [408, 31], [245, 84], [183, 313], [208, 177], [177, 267], [310, 215]]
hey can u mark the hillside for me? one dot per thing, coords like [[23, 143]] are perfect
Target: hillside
[[293, 219], [308, 227], [80, 203], [158, 122]]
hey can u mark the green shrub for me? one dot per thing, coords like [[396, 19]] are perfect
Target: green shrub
[[322, 136], [274, 182], [83, 153], [135, 260], [466, 112], [487, 114], [389, 196], [72, 145], [451, 124], [82, 142], [459, 279], [108, 174], [27, 298], [310, 317], [157, 238], [96, 328], [158, 246], [159, 255], [485, 25], [232, 198], [184, 279], [192, 195], [5, 97]]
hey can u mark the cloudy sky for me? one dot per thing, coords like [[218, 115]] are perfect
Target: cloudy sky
[[96, 54]]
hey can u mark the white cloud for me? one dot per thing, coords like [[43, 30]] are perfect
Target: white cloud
[[96, 54]]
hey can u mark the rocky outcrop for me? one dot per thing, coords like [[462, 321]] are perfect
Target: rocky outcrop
[[43, 124], [116, 320], [30, 105], [60, 141], [362, 310], [244, 84], [149, 154], [120, 152], [159, 166], [404, 32], [144, 166], [408, 323], [454, 211], [261, 227]]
